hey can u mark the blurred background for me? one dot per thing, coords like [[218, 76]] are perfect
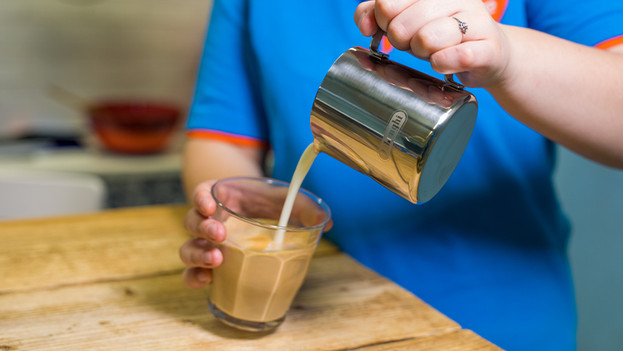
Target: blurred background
[[59, 58]]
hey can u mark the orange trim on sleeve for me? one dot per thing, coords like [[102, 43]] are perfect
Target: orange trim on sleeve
[[609, 43], [227, 137]]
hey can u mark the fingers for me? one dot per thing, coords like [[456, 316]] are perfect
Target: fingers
[[198, 252], [370, 16], [207, 228], [387, 10], [202, 199], [196, 277], [454, 35], [200, 257], [424, 26], [364, 17], [401, 20], [454, 59], [434, 36], [474, 60]]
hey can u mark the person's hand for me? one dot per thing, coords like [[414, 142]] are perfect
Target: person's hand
[[432, 30], [199, 253]]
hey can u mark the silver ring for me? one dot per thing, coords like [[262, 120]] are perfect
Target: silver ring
[[463, 26]]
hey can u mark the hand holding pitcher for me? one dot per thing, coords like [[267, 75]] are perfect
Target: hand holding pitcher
[[458, 36]]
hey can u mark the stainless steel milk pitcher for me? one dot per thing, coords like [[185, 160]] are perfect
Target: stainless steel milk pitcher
[[403, 128]]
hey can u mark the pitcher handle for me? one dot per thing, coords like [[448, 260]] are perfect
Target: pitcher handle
[[374, 50], [448, 78], [374, 45]]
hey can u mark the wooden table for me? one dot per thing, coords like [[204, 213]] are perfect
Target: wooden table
[[111, 281]]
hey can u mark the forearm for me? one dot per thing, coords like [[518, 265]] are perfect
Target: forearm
[[207, 159], [570, 93]]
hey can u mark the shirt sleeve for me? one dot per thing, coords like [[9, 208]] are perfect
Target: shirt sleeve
[[592, 23], [226, 104]]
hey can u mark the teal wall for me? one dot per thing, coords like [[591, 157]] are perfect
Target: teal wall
[[591, 195]]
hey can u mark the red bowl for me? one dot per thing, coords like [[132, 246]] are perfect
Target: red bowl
[[134, 127]]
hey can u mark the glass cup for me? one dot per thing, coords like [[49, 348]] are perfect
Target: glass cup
[[264, 264]]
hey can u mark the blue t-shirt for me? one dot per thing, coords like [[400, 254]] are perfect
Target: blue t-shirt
[[489, 250]]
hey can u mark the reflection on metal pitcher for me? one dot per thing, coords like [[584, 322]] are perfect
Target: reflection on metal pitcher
[[401, 127]]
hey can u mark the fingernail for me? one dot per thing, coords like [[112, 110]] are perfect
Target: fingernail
[[202, 203], [213, 231], [211, 227], [207, 257]]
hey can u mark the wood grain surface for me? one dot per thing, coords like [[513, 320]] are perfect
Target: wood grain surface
[[112, 280]]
